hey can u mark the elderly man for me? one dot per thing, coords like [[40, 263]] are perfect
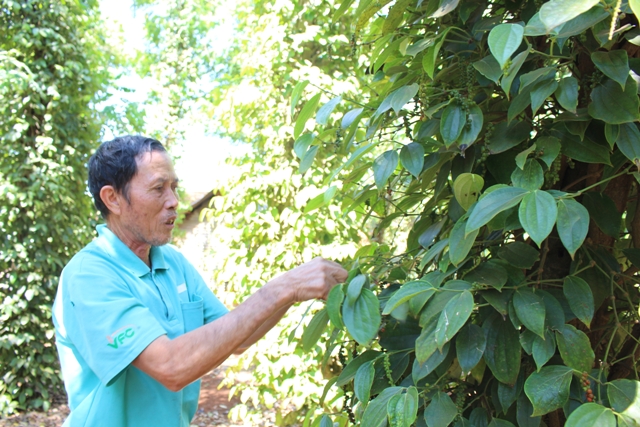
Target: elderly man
[[136, 326]]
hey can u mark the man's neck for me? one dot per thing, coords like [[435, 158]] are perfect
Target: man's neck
[[141, 249]]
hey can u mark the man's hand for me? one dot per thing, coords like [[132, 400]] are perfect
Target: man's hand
[[313, 279]]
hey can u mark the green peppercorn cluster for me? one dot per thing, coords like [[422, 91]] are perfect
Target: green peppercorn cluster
[[552, 176]]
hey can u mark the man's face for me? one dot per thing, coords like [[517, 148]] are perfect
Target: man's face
[[149, 216]]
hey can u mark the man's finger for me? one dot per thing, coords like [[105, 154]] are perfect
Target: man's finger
[[341, 276]]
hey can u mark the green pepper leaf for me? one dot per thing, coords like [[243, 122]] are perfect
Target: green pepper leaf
[[530, 309], [296, 93], [556, 12], [580, 298], [575, 348], [506, 136], [454, 119], [302, 144], [614, 105], [604, 212], [531, 177], [504, 40], [305, 114], [397, 99], [489, 273], [489, 67], [591, 415], [519, 254], [470, 346], [440, 412], [573, 224], [334, 303], [548, 148], [548, 389], [524, 412], [567, 93], [314, 330], [467, 188], [614, 64], [540, 92], [407, 292], [453, 317], [471, 130], [502, 352], [460, 241], [511, 73], [422, 369], [492, 204], [307, 159], [538, 213], [628, 141], [363, 381], [376, 413], [349, 372], [624, 397], [355, 287], [384, 166], [412, 158], [362, 318], [543, 349]]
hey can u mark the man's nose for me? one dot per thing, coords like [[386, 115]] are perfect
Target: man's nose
[[172, 200]]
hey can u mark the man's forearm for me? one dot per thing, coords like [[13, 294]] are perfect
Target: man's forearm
[[178, 362], [263, 329]]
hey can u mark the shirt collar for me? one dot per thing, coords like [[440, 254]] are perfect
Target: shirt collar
[[115, 248]]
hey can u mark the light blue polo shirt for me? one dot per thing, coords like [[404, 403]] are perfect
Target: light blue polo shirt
[[109, 307]]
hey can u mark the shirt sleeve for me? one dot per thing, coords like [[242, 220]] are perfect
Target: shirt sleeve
[[213, 307], [107, 324]]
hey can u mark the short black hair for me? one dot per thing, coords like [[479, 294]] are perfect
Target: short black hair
[[115, 163]]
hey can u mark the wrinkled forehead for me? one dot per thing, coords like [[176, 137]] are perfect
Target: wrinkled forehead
[[155, 166]]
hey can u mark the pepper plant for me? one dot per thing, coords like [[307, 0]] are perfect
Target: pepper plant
[[53, 71], [493, 149]]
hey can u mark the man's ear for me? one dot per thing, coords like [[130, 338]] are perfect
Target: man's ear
[[112, 199]]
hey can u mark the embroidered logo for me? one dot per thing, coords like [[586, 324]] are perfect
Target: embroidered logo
[[117, 338]]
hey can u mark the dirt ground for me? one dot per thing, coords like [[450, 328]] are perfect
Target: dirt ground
[[213, 408]]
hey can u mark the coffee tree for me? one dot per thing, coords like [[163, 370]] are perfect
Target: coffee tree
[[494, 149]]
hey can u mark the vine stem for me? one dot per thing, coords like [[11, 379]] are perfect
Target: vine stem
[[613, 334], [588, 266], [582, 178], [547, 55], [545, 251], [334, 95], [579, 193]]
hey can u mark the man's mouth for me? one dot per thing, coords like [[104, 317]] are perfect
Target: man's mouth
[[171, 221]]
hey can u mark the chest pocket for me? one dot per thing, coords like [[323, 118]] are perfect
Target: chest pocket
[[192, 313]]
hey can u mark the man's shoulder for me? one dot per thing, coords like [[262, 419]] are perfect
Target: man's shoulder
[[91, 256]]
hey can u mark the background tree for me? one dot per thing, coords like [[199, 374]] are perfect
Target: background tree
[[245, 83], [503, 135], [54, 69]]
